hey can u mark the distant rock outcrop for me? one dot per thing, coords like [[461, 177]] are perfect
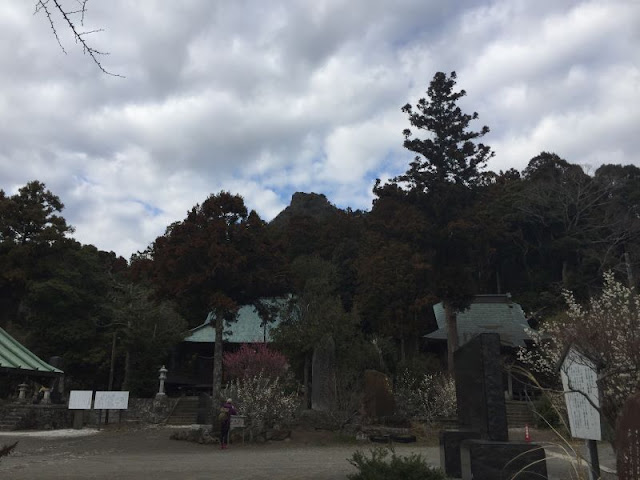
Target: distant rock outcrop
[[314, 205]]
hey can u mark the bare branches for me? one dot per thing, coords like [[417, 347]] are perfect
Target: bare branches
[[48, 7]]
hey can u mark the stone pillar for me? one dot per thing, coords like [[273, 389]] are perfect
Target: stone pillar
[[488, 460], [450, 442], [22, 396], [378, 395], [509, 384], [479, 388], [323, 375], [163, 376]]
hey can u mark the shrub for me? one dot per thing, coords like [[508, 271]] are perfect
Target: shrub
[[430, 395], [548, 411], [265, 402], [379, 467]]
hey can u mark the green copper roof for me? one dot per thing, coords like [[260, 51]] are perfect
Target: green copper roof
[[15, 357], [247, 329], [487, 314]]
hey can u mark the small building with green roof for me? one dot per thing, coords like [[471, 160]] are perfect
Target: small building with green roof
[[15, 358], [486, 314], [249, 328], [495, 313], [191, 363]]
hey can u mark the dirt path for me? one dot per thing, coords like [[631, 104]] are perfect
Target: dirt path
[[149, 454]]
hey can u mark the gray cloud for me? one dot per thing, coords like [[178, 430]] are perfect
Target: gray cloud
[[268, 98]]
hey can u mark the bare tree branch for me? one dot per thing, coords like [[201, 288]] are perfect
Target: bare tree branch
[[49, 6]]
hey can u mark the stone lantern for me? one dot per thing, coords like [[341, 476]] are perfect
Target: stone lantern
[[163, 376], [22, 396], [46, 399]]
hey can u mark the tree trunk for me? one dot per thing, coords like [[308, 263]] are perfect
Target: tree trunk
[[217, 360], [127, 370], [307, 388], [627, 262], [452, 336], [112, 368], [113, 361], [127, 363], [565, 274], [417, 342]]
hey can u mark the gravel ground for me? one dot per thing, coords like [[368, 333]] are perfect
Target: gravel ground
[[148, 453]]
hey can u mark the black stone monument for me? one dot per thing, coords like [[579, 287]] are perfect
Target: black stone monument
[[480, 449], [450, 443], [479, 387], [487, 460]]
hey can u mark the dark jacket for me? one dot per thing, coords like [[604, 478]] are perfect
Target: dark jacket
[[232, 411]]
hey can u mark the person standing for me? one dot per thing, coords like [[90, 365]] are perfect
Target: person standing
[[226, 410]]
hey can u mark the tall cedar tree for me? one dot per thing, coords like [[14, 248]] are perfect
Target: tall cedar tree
[[217, 259], [53, 290], [30, 216], [29, 226], [443, 178], [393, 293]]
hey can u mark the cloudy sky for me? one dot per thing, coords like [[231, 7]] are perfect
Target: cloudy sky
[[268, 97]]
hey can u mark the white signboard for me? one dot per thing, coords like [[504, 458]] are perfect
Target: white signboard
[[111, 401], [236, 421], [80, 399], [579, 380]]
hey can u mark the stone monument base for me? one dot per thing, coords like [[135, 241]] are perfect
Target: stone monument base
[[450, 441], [488, 460]]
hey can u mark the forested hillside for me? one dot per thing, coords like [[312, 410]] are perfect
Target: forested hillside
[[445, 230]]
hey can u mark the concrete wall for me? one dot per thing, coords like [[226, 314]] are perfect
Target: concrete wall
[[15, 416], [34, 417], [149, 410]]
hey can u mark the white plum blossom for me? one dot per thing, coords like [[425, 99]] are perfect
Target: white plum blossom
[[431, 396], [264, 401], [607, 330]]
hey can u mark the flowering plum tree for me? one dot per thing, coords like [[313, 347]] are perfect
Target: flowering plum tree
[[251, 360], [431, 395], [607, 330], [265, 402]]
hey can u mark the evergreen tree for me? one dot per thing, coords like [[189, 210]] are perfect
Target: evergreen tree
[[443, 180], [217, 259], [449, 154]]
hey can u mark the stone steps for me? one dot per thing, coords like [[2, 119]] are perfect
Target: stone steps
[[9, 421], [185, 412], [519, 414]]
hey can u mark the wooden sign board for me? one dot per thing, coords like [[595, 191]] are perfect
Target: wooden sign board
[[111, 401], [80, 399], [580, 383], [236, 421]]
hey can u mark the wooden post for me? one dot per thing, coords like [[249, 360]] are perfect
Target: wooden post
[[594, 471], [111, 373], [307, 393], [452, 336]]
